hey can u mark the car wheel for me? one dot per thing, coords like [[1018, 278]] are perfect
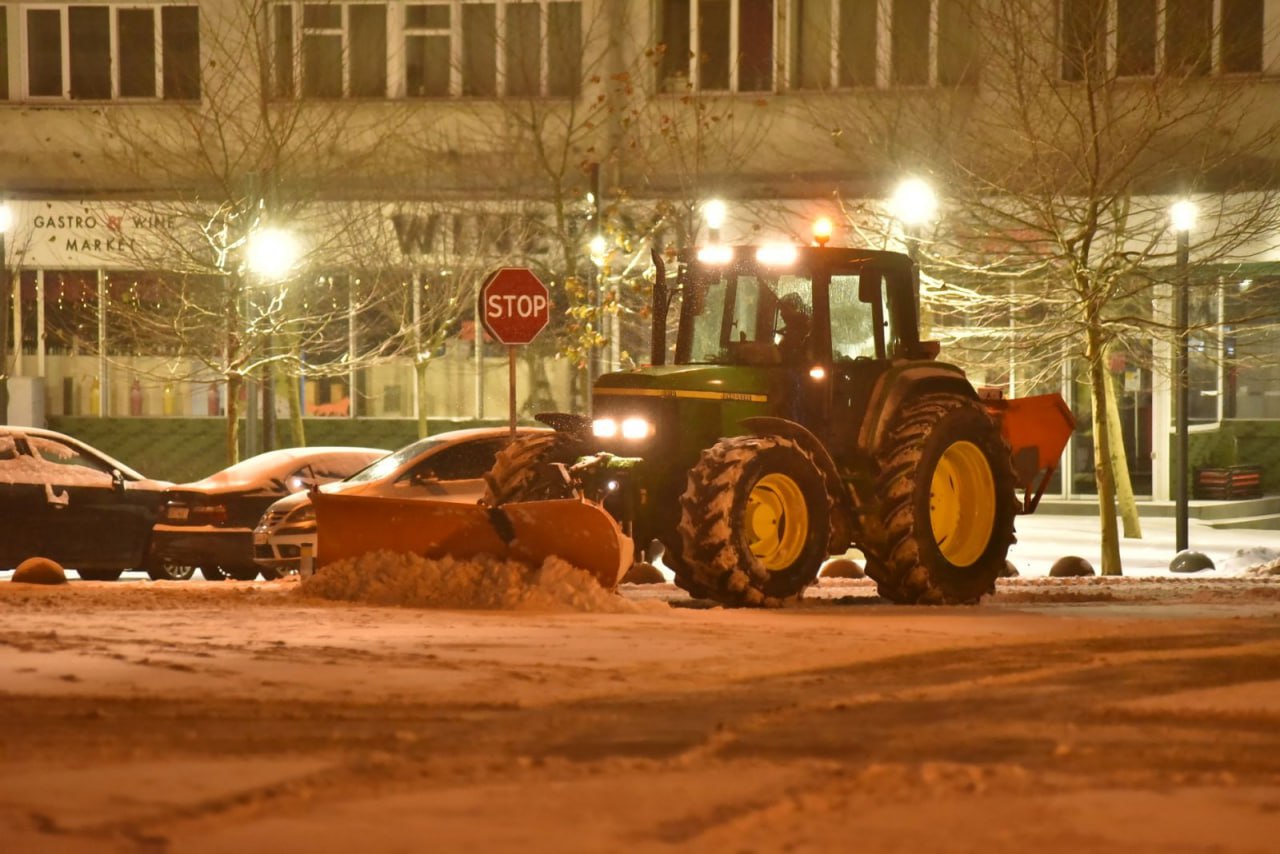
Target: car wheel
[[242, 573], [213, 573], [271, 573], [165, 571]]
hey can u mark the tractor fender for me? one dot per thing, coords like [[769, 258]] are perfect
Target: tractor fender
[[566, 422], [898, 385], [843, 513]]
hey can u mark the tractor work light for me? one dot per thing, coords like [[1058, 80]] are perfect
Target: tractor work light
[[717, 253], [604, 428], [776, 254], [821, 230]]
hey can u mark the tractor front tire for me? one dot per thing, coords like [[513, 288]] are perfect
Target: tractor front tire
[[947, 502], [754, 522], [525, 469]]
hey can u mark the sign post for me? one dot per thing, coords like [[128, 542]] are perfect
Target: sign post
[[514, 307]]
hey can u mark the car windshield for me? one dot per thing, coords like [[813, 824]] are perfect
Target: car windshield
[[392, 462]]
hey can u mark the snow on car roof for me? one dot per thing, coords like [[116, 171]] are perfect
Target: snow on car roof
[[279, 463], [50, 444]]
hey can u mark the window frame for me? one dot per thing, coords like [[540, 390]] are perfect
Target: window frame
[[1214, 66], [115, 65], [693, 69], [399, 32], [884, 58]]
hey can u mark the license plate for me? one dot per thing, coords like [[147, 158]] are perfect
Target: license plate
[[177, 513]]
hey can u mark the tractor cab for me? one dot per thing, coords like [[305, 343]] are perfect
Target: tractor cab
[[825, 322]]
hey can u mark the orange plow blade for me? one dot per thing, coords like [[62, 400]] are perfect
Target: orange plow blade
[[1037, 429], [576, 531]]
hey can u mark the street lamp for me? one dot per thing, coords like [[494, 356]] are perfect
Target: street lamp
[[713, 212], [1183, 216], [6, 294], [913, 204], [270, 255]]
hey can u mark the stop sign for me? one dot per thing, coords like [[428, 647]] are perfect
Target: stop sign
[[514, 305]]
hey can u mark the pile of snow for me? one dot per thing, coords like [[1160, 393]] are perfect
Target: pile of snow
[[483, 583]]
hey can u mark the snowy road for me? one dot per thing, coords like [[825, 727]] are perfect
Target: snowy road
[[1138, 714]]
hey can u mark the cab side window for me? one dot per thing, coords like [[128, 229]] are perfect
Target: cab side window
[[853, 332]]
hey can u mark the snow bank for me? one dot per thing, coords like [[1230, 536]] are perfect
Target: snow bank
[[482, 583]]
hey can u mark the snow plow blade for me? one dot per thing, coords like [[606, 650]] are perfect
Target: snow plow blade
[[576, 531]]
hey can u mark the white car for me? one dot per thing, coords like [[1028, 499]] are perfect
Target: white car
[[449, 466]]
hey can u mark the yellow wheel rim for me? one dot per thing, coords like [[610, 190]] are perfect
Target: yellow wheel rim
[[962, 503], [777, 521]]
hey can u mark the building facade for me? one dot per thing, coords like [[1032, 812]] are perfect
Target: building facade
[[417, 145]]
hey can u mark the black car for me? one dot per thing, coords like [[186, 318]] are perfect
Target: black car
[[209, 523], [66, 501]]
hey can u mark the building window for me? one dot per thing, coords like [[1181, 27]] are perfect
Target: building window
[[427, 50], [834, 43], [1241, 36], [103, 53], [717, 45], [428, 39], [4, 56], [331, 50], [1138, 38]]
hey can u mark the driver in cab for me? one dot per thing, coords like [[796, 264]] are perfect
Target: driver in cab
[[795, 327]]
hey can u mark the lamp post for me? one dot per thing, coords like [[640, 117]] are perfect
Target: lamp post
[[914, 204], [1183, 216], [270, 255], [6, 294], [713, 212]]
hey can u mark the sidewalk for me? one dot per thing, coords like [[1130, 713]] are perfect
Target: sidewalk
[[1042, 539]]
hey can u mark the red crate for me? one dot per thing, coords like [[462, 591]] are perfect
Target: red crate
[[1227, 483]]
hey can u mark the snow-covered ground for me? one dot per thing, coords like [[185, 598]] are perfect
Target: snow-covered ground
[[407, 705], [1042, 539]]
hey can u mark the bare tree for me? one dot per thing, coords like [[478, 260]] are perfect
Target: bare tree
[[1058, 155], [272, 140]]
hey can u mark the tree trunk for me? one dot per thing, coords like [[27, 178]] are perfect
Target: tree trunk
[[1120, 465], [1099, 378], [233, 418], [292, 386], [420, 378]]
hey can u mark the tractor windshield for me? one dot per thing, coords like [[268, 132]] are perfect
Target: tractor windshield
[[738, 316]]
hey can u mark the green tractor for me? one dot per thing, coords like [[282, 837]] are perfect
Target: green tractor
[[800, 415]]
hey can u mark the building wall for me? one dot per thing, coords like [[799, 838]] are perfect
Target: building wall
[[904, 91]]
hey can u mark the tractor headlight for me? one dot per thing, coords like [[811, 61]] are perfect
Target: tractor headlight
[[633, 428], [636, 428]]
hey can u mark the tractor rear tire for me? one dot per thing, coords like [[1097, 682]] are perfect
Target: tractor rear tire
[[754, 522], [525, 469], [946, 504]]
